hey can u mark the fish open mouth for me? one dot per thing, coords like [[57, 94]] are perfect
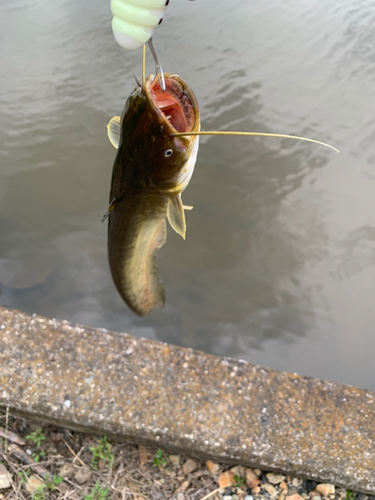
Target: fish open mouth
[[175, 104]]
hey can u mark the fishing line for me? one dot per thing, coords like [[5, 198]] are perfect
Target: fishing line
[[262, 134], [144, 65]]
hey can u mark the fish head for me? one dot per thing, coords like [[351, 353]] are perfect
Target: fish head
[[145, 139], [174, 110]]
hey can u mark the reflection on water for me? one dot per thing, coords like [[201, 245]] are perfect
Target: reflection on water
[[278, 266]]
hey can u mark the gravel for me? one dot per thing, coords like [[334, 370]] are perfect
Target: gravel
[[71, 465]]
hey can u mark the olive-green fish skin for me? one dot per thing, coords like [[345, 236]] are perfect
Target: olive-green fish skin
[[143, 178]]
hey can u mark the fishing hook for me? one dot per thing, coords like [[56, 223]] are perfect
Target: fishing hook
[[158, 69], [137, 79]]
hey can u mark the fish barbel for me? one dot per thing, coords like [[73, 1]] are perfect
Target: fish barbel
[[151, 170]]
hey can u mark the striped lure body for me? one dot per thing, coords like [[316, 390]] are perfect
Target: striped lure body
[[134, 21]]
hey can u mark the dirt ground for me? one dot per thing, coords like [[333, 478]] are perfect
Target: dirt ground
[[39, 461]]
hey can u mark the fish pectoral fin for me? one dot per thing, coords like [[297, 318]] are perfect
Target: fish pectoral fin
[[109, 210], [176, 215], [114, 131]]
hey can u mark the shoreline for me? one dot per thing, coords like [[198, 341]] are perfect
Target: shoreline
[[185, 401]]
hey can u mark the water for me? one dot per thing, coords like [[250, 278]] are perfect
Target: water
[[278, 266]]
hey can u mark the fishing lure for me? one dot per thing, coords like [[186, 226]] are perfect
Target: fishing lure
[[133, 24], [134, 21]]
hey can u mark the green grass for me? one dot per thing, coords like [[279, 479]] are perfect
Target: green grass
[[24, 475], [42, 490], [240, 481], [98, 493], [159, 459], [36, 437], [40, 493], [102, 451], [39, 454], [349, 495], [53, 483]]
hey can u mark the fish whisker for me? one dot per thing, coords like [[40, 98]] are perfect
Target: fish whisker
[[262, 134]]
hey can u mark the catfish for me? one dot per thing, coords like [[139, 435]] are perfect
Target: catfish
[[151, 170]]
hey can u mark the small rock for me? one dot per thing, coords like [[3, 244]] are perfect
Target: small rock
[[242, 491], [199, 473], [293, 497], [175, 459], [296, 482], [258, 472], [183, 487], [283, 485], [180, 496], [33, 483], [255, 490], [189, 466], [275, 478], [2, 496], [63, 488], [88, 441], [5, 478], [226, 479], [341, 492], [227, 497], [85, 491], [83, 474], [142, 455], [238, 471], [56, 436], [252, 480], [281, 496], [213, 467], [271, 490], [326, 489], [101, 464], [67, 471], [235, 497], [314, 495], [248, 497]]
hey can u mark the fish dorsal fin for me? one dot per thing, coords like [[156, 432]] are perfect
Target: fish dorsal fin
[[176, 215], [114, 130]]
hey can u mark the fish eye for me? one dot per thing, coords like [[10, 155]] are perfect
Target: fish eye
[[168, 152]]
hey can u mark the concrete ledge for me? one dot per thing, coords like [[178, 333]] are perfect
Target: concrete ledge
[[182, 399]]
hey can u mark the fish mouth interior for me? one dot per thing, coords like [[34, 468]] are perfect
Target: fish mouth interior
[[174, 104]]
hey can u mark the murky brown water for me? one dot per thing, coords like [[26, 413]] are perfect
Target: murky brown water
[[278, 266]]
